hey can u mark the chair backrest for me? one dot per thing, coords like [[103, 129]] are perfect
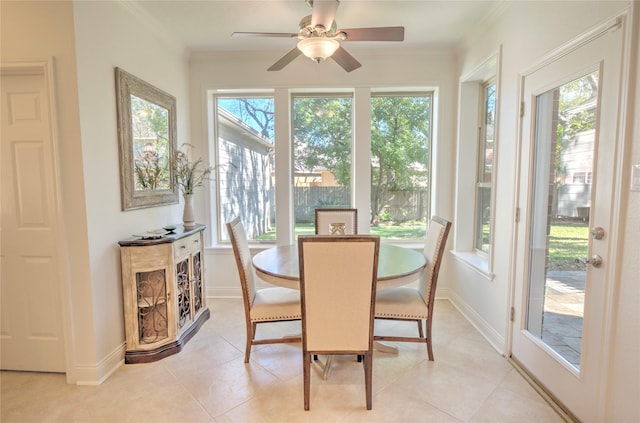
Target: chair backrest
[[243, 260], [336, 221], [434, 246], [338, 276]]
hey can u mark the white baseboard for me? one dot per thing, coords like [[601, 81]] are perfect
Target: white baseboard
[[96, 374], [224, 292], [495, 339]]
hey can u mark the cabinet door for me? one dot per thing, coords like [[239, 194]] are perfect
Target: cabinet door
[[183, 297], [197, 282], [152, 306], [147, 284]]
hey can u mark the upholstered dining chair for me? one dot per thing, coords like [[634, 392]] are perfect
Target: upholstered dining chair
[[266, 305], [411, 304], [338, 276], [336, 221]]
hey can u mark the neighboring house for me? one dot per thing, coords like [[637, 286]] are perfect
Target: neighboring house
[[575, 167], [574, 187], [245, 161]]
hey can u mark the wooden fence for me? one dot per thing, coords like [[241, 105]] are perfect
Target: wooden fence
[[400, 206]]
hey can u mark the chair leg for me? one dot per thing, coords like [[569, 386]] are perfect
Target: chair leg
[[429, 348], [368, 374], [251, 332], [306, 370], [420, 328]]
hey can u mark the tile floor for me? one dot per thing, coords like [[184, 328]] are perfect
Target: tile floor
[[209, 382]]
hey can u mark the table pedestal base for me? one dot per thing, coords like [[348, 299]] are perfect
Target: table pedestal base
[[385, 348]]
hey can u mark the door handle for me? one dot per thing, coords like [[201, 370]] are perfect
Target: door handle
[[595, 261], [597, 232]]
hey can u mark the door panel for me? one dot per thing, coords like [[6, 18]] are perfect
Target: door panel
[[31, 327], [566, 185]]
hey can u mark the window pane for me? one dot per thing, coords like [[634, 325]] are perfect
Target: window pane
[[484, 183], [483, 214], [400, 165], [245, 173], [321, 156]]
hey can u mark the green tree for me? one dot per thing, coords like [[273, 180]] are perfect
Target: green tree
[[400, 131], [577, 101], [322, 135]]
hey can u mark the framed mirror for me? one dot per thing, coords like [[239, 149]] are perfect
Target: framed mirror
[[147, 142]]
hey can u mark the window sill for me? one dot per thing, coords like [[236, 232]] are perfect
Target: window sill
[[476, 262]]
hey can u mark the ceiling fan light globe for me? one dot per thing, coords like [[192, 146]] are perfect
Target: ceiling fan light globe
[[318, 49]]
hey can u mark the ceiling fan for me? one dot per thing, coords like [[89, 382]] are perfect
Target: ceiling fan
[[320, 37]]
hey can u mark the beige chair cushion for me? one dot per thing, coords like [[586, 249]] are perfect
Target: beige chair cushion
[[403, 302], [275, 304]]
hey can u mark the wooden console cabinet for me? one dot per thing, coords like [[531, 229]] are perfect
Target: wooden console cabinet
[[164, 293]]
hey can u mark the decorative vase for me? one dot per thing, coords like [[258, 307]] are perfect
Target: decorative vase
[[187, 215]]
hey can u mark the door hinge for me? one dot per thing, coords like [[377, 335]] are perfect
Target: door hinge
[[512, 317], [522, 109], [517, 214]]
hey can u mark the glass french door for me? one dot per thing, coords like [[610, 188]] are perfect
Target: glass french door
[[567, 178]]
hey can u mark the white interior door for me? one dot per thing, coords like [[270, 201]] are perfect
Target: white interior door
[[567, 181], [31, 325]]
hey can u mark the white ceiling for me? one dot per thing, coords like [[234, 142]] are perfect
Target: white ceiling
[[206, 25]]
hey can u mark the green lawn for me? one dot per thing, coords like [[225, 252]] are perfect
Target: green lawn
[[567, 242]]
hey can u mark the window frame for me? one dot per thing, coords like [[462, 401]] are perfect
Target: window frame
[[470, 106]]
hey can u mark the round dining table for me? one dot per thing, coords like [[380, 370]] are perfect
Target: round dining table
[[397, 266]]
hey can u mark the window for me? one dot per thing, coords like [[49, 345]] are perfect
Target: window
[[309, 136], [476, 165], [245, 167], [321, 130], [579, 178], [484, 178], [400, 164]]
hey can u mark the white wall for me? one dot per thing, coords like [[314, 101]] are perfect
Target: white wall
[[385, 68], [109, 35], [527, 31]]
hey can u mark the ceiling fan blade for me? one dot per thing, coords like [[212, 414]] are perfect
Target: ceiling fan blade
[[386, 33], [344, 59], [265, 34], [285, 60], [324, 13]]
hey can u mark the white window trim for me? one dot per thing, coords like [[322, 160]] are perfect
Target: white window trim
[[471, 88]]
